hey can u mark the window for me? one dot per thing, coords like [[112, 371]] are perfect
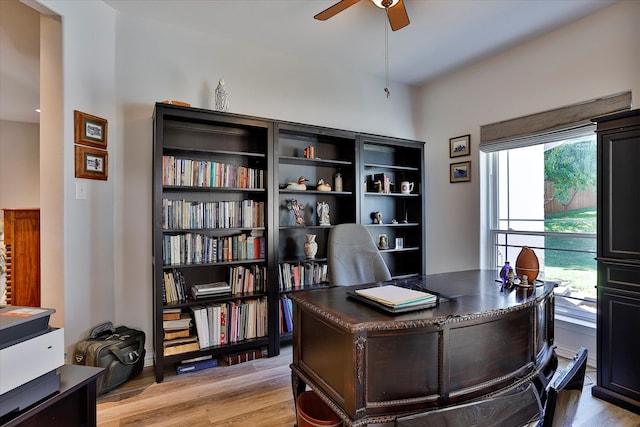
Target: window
[[540, 192]]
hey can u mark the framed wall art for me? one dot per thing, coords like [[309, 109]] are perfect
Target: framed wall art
[[460, 172], [91, 163], [460, 146], [90, 130]]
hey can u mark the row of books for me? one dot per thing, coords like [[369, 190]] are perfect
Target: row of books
[[195, 248], [230, 322], [182, 214], [205, 173], [173, 287], [300, 274], [286, 315], [248, 279]]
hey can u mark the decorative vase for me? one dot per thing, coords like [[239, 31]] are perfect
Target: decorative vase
[[527, 264], [310, 246]]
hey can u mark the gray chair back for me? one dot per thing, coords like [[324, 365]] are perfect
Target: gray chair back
[[353, 257]]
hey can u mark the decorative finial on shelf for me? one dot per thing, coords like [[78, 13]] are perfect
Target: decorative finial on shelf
[[222, 102]]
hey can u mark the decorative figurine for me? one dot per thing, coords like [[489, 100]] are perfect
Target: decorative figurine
[[378, 186], [300, 185], [383, 241], [323, 213], [222, 102], [503, 275], [292, 204], [323, 186], [510, 278], [377, 217]]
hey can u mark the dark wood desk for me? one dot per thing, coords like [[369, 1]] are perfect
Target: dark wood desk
[[74, 405], [371, 367]]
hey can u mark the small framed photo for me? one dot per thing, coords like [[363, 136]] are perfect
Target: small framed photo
[[91, 163], [460, 172], [90, 130], [460, 146]]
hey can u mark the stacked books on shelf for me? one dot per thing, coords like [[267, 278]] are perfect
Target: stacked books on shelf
[[205, 173], [230, 322], [395, 299], [183, 214], [300, 274], [195, 248], [208, 290], [177, 332]]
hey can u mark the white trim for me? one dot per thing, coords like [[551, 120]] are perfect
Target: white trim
[[571, 334]]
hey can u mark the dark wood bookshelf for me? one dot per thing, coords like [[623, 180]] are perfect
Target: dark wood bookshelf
[[277, 148]]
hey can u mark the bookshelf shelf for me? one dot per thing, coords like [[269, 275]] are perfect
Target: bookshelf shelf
[[260, 156]]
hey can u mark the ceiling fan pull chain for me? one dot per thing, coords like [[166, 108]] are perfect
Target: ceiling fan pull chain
[[386, 59]]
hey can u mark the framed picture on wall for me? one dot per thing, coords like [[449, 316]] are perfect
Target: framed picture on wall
[[90, 130], [91, 163], [460, 146], [460, 172]]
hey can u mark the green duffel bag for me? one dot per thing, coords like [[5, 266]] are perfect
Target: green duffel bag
[[120, 351]]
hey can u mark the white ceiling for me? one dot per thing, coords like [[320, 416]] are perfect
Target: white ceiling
[[443, 34]]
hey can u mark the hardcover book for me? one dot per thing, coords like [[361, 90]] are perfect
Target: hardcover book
[[196, 366]]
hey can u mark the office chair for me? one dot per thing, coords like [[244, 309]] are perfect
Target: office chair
[[564, 393], [353, 257], [516, 408]]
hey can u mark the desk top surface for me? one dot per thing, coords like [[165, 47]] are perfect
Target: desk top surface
[[469, 294]]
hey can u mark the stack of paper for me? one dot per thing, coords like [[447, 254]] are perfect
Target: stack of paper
[[396, 296]]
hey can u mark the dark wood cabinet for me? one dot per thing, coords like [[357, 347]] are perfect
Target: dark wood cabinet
[[22, 241], [187, 144], [618, 333]]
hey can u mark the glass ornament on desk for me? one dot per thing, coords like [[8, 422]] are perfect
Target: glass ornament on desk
[[504, 271]]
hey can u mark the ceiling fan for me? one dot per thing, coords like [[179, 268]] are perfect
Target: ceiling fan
[[396, 11]]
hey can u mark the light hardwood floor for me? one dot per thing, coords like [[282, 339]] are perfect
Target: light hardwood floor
[[258, 393]]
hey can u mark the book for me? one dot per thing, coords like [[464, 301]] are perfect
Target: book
[[196, 366], [177, 333], [181, 345], [209, 289], [245, 356], [171, 314], [395, 296], [184, 322]]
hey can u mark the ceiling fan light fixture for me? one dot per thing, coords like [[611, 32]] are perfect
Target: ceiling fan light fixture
[[385, 4]]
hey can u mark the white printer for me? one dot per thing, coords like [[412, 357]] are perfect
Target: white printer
[[30, 354]]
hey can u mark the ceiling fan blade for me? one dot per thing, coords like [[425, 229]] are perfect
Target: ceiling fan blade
[[398, 17], [335, 9]]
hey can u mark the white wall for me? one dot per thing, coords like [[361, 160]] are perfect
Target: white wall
[[157, 62], [88, 82], [596, 56], [19, 165]]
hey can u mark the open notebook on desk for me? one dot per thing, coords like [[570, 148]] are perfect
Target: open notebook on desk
[[395, 299]]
